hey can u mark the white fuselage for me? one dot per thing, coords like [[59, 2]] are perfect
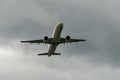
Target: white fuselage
[[56, 37]]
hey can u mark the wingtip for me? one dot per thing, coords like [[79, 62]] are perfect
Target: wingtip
[[85, 39]]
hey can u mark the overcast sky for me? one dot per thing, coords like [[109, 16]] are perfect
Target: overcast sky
[[98, 21]]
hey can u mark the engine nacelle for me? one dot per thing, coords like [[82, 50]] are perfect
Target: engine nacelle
[[46, 39], [68, 38]]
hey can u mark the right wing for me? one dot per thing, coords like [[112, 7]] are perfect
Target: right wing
[[63, 40]]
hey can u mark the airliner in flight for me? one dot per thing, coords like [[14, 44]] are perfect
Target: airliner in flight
[[54, 41]]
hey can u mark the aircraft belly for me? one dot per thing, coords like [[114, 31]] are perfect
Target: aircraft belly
[[57, 33], [52, 49], [56, 37]]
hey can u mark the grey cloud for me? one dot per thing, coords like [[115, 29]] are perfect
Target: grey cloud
[[62, 67]]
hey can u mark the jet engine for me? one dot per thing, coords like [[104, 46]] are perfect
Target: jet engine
[[68, 38], [46, 39]]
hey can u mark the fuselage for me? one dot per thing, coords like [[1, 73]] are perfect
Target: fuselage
[[56, 38]]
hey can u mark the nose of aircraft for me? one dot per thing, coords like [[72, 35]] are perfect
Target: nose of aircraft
[[61, 24]]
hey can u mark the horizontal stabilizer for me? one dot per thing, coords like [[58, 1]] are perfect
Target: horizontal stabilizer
[[43, 54], [56, 54], [47, 54]]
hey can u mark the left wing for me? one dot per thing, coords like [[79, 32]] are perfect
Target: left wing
[[63, 40], [33, 41], [38, 41]]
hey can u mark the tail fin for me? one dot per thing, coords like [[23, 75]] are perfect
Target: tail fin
[[47, 54]]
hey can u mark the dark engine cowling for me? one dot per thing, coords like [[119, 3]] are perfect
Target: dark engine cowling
[[46, 39], [68, 38]]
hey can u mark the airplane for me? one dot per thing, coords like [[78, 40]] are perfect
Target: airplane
[[54, 41]]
